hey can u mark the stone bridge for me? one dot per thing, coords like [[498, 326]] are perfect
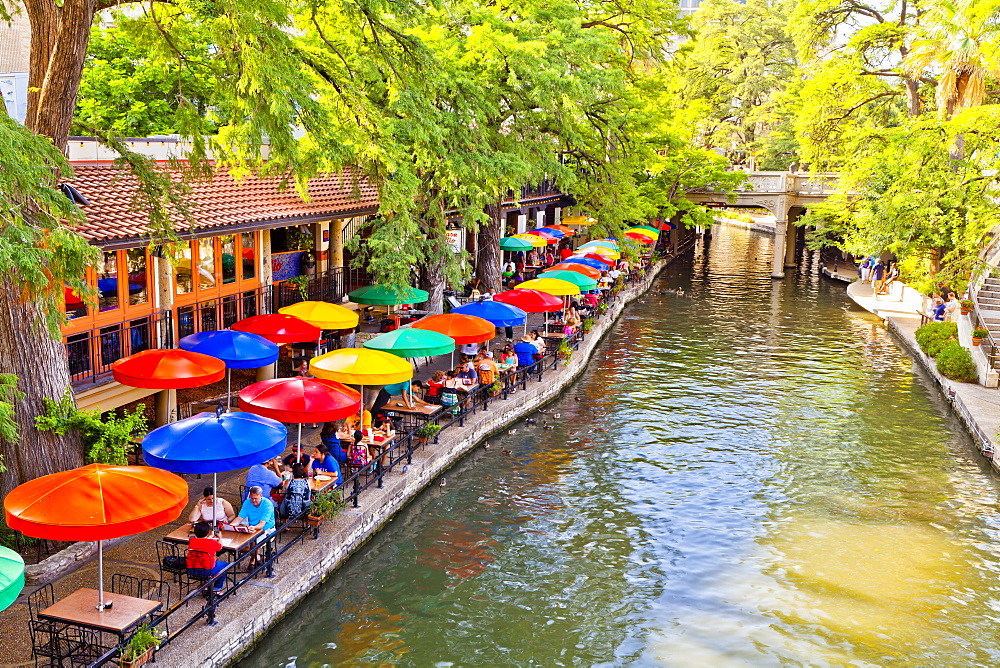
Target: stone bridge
[[784, 194]]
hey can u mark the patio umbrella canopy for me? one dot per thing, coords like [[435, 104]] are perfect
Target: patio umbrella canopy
[[545, 236], [553, 286], [641, 238], [652, 229], [652, 234], [532, 301], [600, 257], [278, 328], [579, 280], [578, 268], [238, 350], [388, 295], [323, 315], [568, 231], [507, 244], [361, 366], [160, 369], [462, 328], [551, 231], [497, 313], [599, 244], [214, 443], [586, 261], [533, 239], [578, 220], [11, 576], [409, 342], [96, 502], [300, 400]]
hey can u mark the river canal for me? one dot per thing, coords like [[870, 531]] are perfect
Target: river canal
[[752, 473]]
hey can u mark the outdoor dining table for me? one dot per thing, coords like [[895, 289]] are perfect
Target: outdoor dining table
[[232, 541], [78, 609], [317, 485]]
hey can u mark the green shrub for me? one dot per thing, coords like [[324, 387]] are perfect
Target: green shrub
[[934, 336], [107, 439], [956, 363]]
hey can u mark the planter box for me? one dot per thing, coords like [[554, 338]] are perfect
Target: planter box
[[139, 660], [314, 521]]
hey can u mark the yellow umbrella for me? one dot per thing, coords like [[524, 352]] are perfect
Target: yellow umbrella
[[553, 286], [323, 315], [532, 239], [361, 366], [578, 220], [644, 232]]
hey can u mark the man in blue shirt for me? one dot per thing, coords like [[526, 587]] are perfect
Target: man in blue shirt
[[525, 352], [266, 476], [257, 513]]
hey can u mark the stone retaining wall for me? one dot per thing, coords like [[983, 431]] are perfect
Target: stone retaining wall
[[245, 618]]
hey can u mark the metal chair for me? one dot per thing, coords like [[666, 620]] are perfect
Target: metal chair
[[57, 643], [40, 599]]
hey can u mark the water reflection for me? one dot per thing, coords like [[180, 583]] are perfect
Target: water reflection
[[749, 475]]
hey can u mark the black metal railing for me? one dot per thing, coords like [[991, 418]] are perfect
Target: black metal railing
[[221, 312], [327, 286], [180, 617], [92, 353]]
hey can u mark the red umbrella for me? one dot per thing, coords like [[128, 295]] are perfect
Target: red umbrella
[[300, 400], [641, 238], [532, 301], [595, 256], [590, 272], [163, 369], [462, 328], [278, 328], [96, 502]]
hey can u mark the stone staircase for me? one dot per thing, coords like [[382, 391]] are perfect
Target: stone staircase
[[988, 301]]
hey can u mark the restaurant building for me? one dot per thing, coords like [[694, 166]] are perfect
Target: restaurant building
[[241, 242]]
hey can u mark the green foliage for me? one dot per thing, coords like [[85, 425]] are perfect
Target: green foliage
[[108, 440], [955, 362], [428, 430], [9, 395], [934, 336], [301, 283], [587, 325], [143, 638], [326, 503], [980, 332], [565, 351]]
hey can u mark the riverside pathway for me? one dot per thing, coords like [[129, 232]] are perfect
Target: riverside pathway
[[243, 617]]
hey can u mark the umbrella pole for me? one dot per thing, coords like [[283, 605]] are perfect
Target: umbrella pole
[[229, 388], [215, 496], [299, 443], [100, 575]]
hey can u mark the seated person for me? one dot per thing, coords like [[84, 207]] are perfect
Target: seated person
[[434, 385], [324, 462], [257, 513], [525, 352], [401, 394], [487, 369], [200, 558], [507, 355], [298, 455], [266, 476], [538, 342], [298, 493], [366, 422], [449, 393], [466, 374], [212, 508], [329, 437], [590, 299]]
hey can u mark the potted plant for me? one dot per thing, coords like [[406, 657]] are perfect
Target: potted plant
[[564, 352], [587, 325], [427, 432], [965, 305], [301, 283], [322, 505], [495, 388], [140, 647], [978, 334], [602, 308]]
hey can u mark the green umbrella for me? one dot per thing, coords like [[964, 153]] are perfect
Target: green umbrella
[[513, 244], [581, 281], [645, 227], [412, 343], [11, 576], [388, 295]]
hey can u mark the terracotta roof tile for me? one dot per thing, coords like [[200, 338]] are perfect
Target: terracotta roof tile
[[221, 201]]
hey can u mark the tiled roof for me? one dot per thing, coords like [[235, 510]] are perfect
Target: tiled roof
[[220, 202]]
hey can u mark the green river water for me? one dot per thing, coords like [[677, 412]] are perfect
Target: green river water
[[751, 474]]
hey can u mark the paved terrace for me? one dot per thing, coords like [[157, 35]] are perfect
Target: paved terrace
[[243, 613]]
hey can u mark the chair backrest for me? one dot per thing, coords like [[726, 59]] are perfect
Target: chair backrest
[[125, 584], [170, 557], [40, 599], [197, 556], [154, 590]]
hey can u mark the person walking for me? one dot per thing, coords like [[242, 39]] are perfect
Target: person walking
[[865, 269], [878, 278]]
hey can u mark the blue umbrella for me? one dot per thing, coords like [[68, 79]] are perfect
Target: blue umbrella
[[498, 313], [239, 350], [551, 231], [596, 264], [207, 443]]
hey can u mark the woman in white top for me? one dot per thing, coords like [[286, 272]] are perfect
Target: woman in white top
[[212, 509]]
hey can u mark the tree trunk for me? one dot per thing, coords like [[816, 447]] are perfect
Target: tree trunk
[[432, 271], [935, 262], [39, 362], [59, 39], [488, 259], [913, 107], [432, 280]]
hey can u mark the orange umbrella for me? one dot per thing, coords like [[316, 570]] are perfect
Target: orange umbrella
[[96, 502], [568, 231], [589, 272], [162, 369], [462, 328]]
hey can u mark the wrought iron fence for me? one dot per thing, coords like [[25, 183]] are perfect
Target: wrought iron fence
[[221, 312], [92, 353], [327, 286]]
